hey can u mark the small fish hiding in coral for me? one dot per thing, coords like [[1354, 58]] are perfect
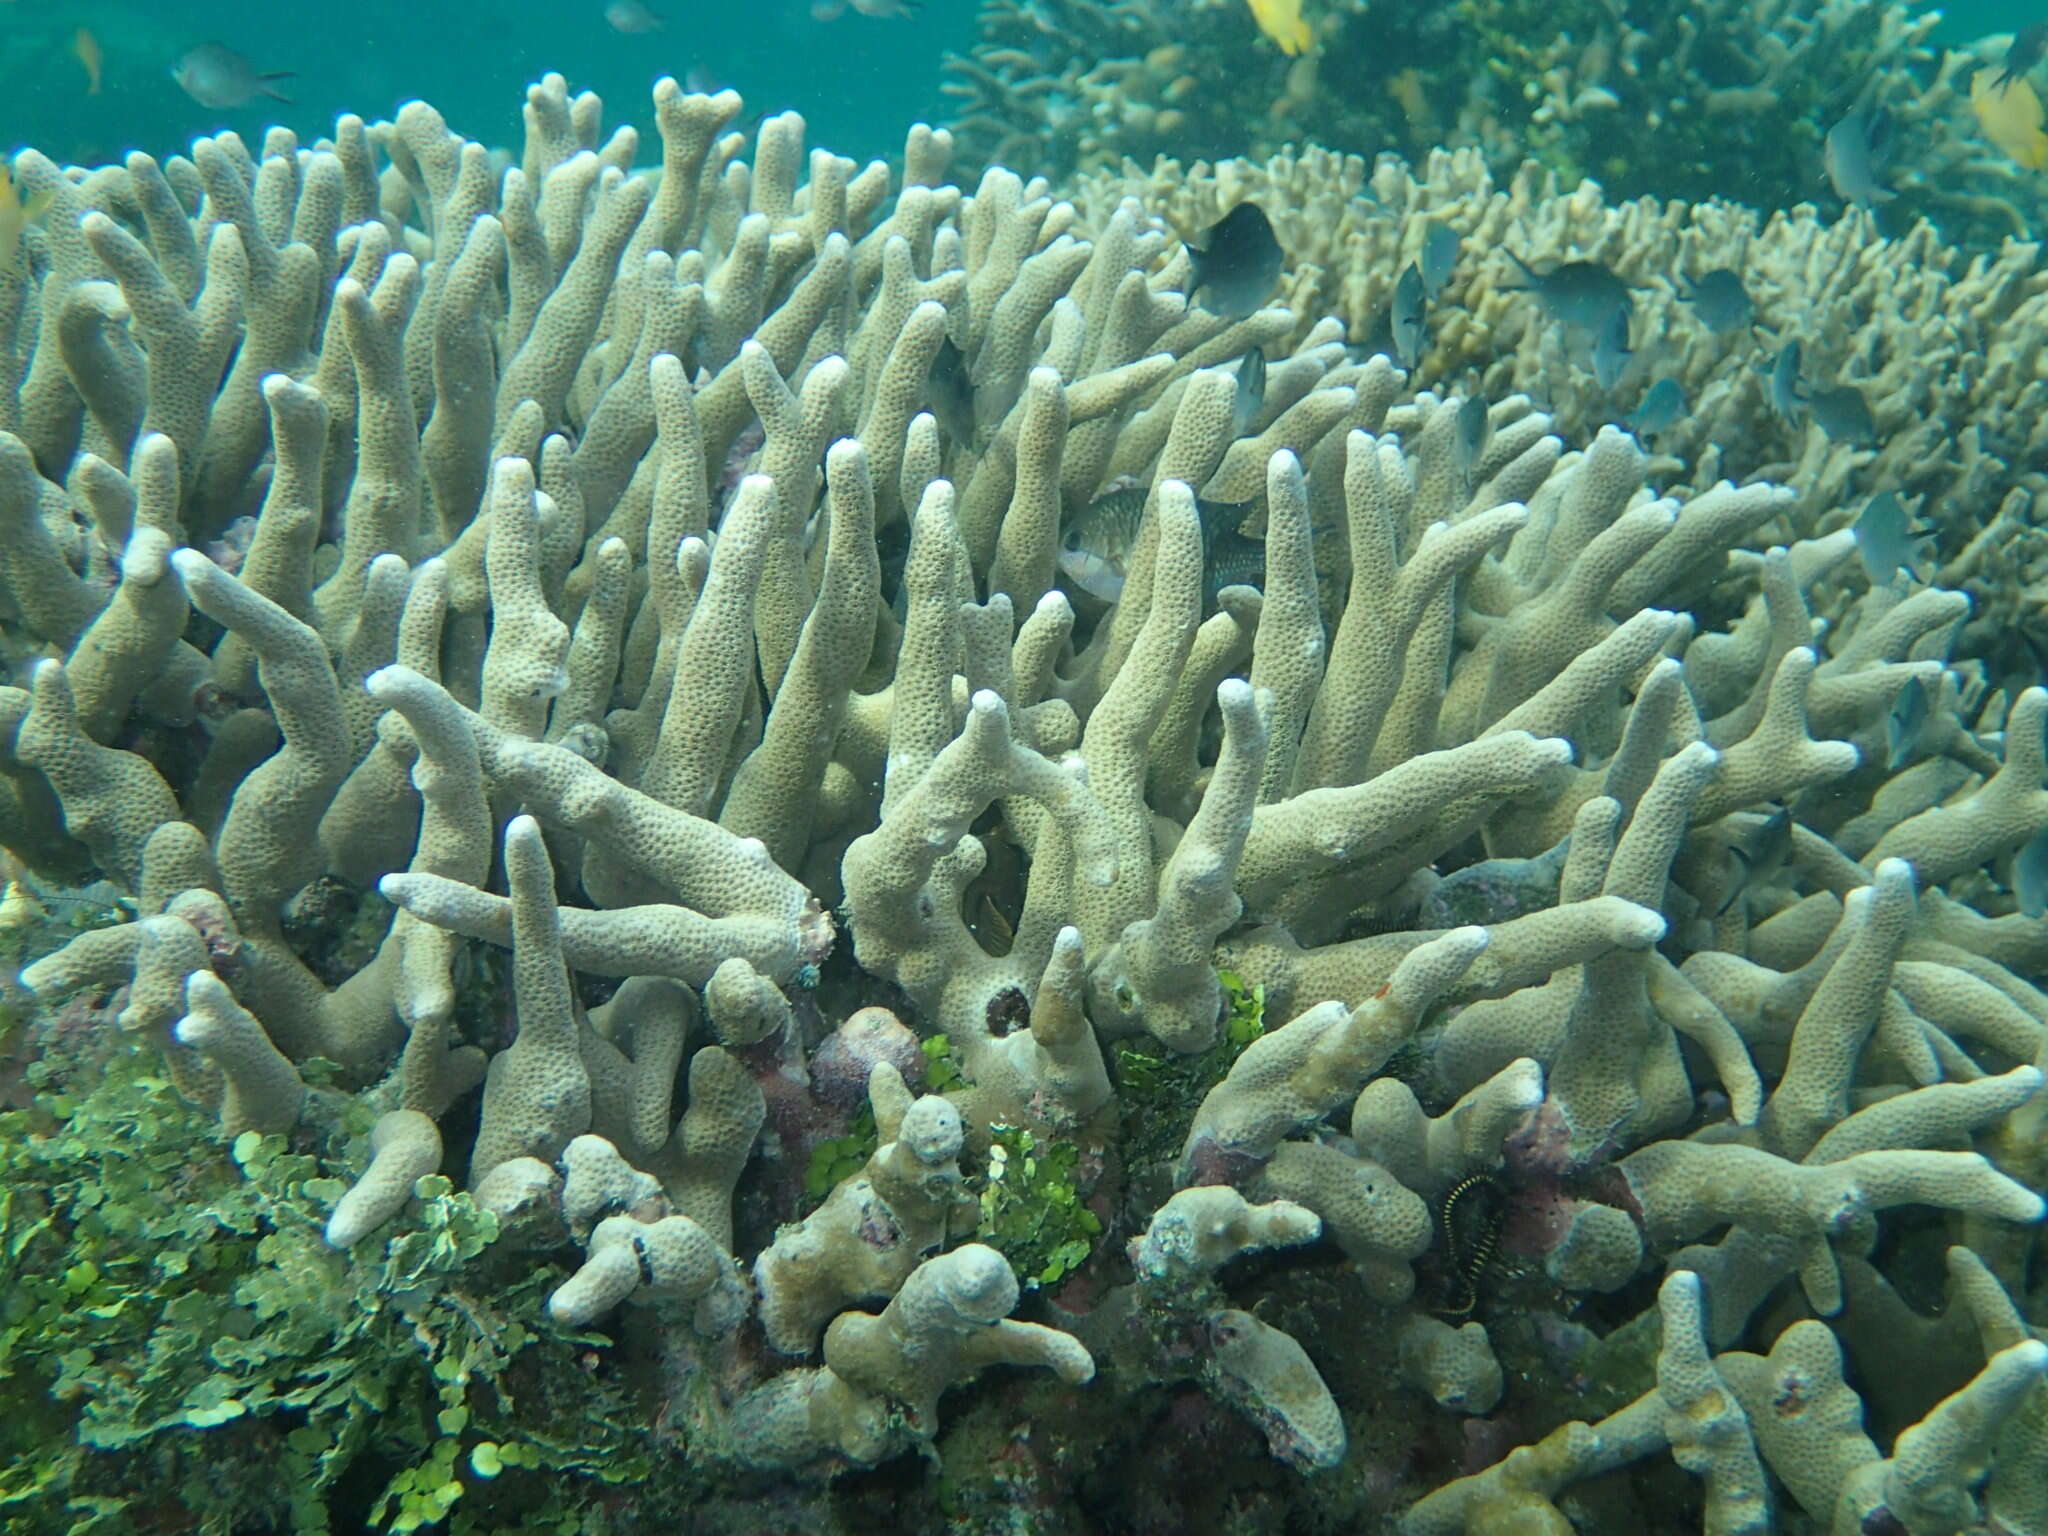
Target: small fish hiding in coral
[[1475, 431], [214, 75], [1405, 318], [1439, 257], [1282, 21], [2030, 877], [1250, 398], [1887, 540], [1661, 408], [2011, 118], [1788, 398], [1843, 413], [1854, 154], [1234, 560], [1098, 542], [16, 214], [2028, 45], [991, 923], [632, 17], [1581, 294], [1095, 549], [951, 393], [1757, 851], [1720, 300], [1611, 351], [86, 49], [1904, 723], [1237, 262]]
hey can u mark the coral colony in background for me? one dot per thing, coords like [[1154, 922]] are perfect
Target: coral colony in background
[[780, 847], [1660, 98]]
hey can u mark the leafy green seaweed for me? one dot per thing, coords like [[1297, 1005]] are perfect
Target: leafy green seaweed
[[1159, 1092], [839, 1158], [1031, 1210], [180, 1349]]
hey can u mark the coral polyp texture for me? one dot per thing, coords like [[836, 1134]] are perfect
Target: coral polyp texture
[[1947, 367], [677, 940]]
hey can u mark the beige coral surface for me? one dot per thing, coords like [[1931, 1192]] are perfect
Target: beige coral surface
[[655, 575]]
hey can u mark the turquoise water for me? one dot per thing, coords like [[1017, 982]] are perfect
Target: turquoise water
[[1977, 18], [858, 80]]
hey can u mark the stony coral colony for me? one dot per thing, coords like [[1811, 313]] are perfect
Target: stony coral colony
[[1660, 98], [612, 569]]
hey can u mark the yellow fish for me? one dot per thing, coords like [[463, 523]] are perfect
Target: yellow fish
[[2010, 117], [1281, 21], [1408, 93], [15, 215], [86, 49]]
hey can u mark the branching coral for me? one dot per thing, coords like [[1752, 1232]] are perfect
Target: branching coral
[[1942, 345], [1475, 795], [1662, 100]]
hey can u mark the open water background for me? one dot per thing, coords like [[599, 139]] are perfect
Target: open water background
[[859, 81]]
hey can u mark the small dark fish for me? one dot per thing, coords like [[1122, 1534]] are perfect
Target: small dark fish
[[1853, 155], [1662, 406], [1250, 398], [1233, 560], [1405, 319], [1720, 300], [1887, 540], [1842, 413], [2028, 45], [1611, 351], [1475, 431], [1904, 722], [2030, 877], [1787, 399], [1758, 852], [1582, 294], [1238, 262], [1439, 258], [214, 75], [951, 393], [1380, 343], [992, 920]]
